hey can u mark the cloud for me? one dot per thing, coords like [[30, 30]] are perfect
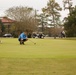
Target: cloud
[[36, 4]]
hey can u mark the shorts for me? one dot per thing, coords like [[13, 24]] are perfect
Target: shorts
[[22, 40]]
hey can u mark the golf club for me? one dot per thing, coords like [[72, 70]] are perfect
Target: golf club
[[32, 41]]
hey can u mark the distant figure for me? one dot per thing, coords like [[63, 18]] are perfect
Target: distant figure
[[62, 34], [41, 35], [22, 38], [34, 35]]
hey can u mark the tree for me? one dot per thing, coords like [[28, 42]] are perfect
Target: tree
[[41, 22], [24, 19], [2, 28], [67, 4], [52, 10], [70, 23]]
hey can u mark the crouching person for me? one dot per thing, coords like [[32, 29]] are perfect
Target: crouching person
[[22, 38]]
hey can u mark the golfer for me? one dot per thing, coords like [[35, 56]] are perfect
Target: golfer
[[22, 38]]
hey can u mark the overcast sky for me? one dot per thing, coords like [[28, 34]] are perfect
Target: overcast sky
[[36, 4]]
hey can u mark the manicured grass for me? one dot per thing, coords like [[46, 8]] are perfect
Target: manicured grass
[[47, 57], [37, 66], [44, 48]]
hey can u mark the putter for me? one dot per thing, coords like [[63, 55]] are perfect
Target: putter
[[32, 41]]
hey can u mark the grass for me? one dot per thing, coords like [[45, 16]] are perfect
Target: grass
[[47, 57]]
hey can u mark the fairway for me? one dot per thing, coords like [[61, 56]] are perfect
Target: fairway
[[44, 48], [47, 57]]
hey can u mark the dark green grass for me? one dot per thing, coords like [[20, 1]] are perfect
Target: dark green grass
[[47, 57]]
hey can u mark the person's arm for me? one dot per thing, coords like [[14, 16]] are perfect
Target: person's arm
[[24, 36]]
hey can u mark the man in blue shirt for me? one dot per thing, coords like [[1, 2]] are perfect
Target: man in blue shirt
[[22, 37]]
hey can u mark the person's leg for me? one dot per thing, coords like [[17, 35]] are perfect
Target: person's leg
[[20, 41], [24, 40]]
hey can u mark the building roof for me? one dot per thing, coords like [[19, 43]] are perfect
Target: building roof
[[6, 20]]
